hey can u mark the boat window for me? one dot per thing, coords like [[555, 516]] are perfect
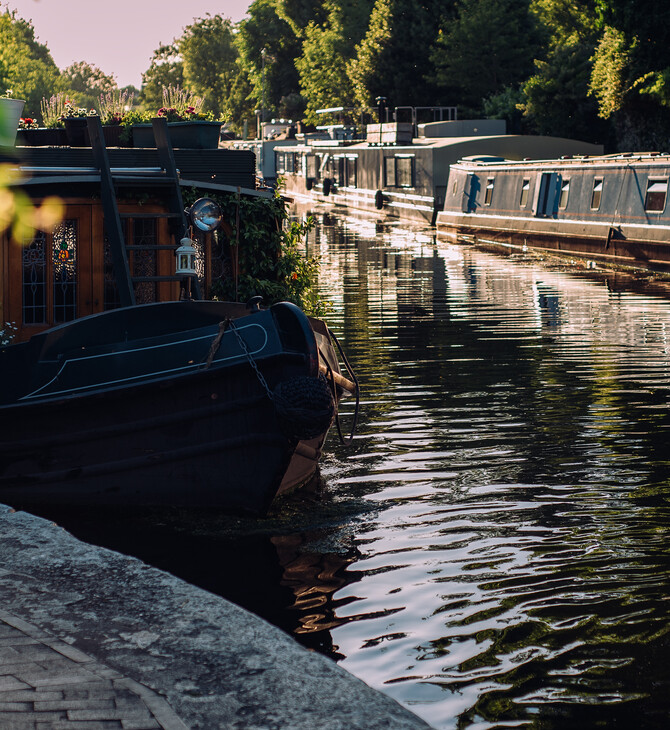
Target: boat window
[[310, 167], [404, 172], [338, 171], [489, 191], [657, 191], [389, 172], [351, 171], [64, 255], [565, 190], [143, 261], [49, 287], [35, 280], [525, 189], [289, 162], [597, 193]]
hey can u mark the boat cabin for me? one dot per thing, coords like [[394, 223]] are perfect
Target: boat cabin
[[123, 219]]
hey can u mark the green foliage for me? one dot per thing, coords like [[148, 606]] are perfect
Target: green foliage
[[268, 47], [85, 83], [487, 47], [26, 66], [300, 13], [267, 247], [166, 69], [556, 98], [209, 56], [392, 58], [324, 77], [610, 78]]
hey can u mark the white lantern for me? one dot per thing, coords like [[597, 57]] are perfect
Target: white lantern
[[186, 258]]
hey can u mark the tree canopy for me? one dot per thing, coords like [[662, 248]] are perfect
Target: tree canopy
[[598, 70]]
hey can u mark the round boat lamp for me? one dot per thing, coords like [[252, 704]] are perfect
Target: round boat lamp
[[186, 258], [205, 214]]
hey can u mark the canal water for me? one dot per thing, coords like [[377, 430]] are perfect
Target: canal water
[[492, 550]]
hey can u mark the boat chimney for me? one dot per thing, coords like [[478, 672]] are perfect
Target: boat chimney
[[381, 108]]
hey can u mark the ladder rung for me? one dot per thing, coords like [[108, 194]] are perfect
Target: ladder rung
[[150, 248], [150, 215], [144, 180], [140, 279]]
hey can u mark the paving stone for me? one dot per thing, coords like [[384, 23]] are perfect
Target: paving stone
[[11, 683], [30, 695], [63, 704], [139, 725], [70, 725]]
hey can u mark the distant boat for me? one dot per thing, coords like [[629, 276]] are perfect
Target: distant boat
[[611, 209], [400, 169]]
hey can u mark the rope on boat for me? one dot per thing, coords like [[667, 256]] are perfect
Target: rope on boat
[[352, 374], [216, 343], [304, 405]]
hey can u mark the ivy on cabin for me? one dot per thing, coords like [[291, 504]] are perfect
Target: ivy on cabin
[[264, 251]]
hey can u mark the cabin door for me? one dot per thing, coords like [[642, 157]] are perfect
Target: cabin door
[[545, 198], [50, 275]]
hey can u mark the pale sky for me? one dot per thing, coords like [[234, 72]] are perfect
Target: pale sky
[[118, 36]]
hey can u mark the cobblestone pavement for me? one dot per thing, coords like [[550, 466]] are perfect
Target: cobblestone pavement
[[46, 684]]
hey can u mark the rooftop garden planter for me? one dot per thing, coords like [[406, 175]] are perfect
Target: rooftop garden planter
[[42, 137], [76, 130], [10, 113], [195, 135]]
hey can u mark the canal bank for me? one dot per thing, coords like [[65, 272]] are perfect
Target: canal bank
[[90, 638]]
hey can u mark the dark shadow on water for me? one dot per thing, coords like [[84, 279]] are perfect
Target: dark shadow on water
[[283, 567]]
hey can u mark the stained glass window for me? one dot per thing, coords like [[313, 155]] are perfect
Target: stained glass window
[[64, 257], [35, 280]]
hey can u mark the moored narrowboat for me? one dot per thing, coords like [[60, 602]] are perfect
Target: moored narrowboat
[[612, 209], [126, 386], [400, 169]]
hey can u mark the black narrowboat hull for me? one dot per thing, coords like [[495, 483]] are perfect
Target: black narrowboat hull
[[143, 407]]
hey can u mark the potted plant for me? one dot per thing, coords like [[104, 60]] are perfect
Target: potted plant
[[188, 125], [76, 128], [52, 131], [10, 113], [27, 127], [114, 107]]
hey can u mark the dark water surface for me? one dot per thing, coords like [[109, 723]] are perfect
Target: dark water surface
[[493, 550]]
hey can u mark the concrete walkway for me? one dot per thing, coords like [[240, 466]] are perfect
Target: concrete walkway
[[94, 640]]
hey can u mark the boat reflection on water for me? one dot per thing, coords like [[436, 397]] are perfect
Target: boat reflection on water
[[314, 578]]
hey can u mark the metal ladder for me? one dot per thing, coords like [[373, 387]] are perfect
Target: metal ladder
[[166, 177]]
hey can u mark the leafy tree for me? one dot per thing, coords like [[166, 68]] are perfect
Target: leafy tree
[[166, 69], [392, 59], [631, 71], [488, 46], [209, 56], [268, 47], [85, 83], [324, 78], [26, 66], [555, 98], [300, 13]]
